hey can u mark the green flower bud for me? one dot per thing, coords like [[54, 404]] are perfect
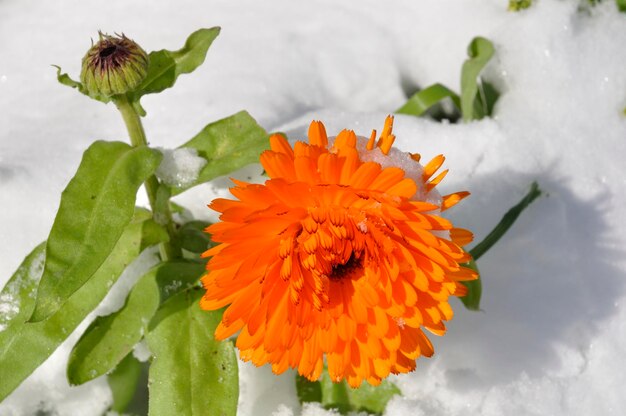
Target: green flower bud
[[114, 65], [517, 5]]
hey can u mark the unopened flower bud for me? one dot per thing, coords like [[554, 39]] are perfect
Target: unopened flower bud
[[114, 65]]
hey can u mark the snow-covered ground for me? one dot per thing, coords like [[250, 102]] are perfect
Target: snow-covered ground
[[551, 336]]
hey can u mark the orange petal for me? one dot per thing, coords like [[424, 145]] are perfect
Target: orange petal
[[432, 167], [317, 134], [450, 200]]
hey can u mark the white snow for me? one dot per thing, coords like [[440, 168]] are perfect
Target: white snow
[[141, 351], [180, 167], [9, 308], [397, 158], [283, 410], [9, 300], [551, 336]]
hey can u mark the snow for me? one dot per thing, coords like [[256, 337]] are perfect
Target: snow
[[25, 276], [9, 308], [180, 167], [397, 158], [551, 336], [141, 351]]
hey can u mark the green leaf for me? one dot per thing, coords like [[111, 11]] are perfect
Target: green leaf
[[341, 397], [373, 399], [485, 100], [110, 338], [175, 208], [621, 5], [165, 66], [474, 289], [194, 52], [308, 391], [480, 51], [123, 382], [336, 395], [477, 98], [506, 222], [17, 295], [25, 345], [191, 373], [95, 207], [228, 144], [161, 75], [66, 80], [422, 100], [193, 238]]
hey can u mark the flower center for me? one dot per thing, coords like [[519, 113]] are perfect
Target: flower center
[[110, 50], [342, 270]]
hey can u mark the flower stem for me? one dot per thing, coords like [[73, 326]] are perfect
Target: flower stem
[[160, 209]]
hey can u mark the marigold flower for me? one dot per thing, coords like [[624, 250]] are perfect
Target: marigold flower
[[342, 253]]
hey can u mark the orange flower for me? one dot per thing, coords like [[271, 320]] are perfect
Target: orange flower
[[340, 253]]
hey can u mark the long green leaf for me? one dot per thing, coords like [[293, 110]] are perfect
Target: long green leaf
[[422, 100], [165, 66], [480, 51], [123, 382], [227, 145], [485, 100], [17, 295], [110, 338], [191, 373], [344, 399], [474, 290], [25, 345], [506, 222], [95, 207]]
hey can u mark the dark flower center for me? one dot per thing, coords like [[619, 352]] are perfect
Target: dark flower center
[[109, 50], [343, 270], [112, 53]]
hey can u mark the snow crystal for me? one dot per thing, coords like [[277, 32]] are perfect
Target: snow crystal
[[173, 286], [362, 225], [24, 278], [36, 268], [180, 167], [316, 409], [400, 322], [399, 159], [9, 307], [283, 410], [142, 352]]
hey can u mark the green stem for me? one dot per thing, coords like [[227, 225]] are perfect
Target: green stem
[[160, 211]]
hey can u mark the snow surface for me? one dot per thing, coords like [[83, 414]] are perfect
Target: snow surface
[[180, 167], [551, 336]]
